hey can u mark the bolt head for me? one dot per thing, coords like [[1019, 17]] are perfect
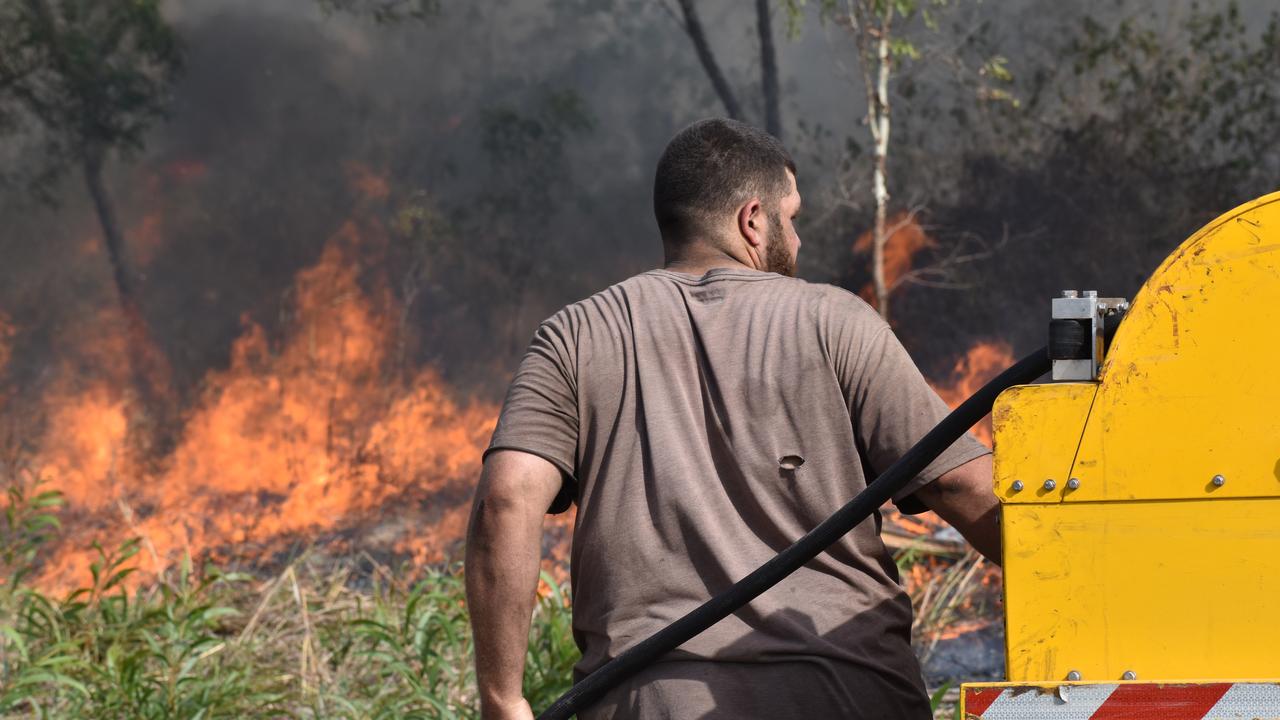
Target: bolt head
[[1017, 486], [1091, 293], [1050, 484], [1073, 676], [1070, 294], [1129, 675], [1219, 481], [1073, 483]]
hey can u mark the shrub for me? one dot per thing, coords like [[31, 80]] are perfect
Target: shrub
[[351, 641]]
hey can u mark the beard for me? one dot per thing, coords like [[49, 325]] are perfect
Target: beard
[[776, 257]]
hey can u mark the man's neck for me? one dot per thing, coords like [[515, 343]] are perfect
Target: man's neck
[[698, 260]]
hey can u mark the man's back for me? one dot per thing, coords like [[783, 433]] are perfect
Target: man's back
[[709, 422]]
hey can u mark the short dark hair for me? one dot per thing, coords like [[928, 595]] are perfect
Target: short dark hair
[[710, 168]]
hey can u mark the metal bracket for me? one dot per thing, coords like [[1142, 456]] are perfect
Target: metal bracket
[[1083, 312]]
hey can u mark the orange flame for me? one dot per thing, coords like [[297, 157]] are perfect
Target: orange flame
[[146, 239], [7, 331], [187, 170], [177, 172], [964, 627], [297, 440], [906, 238], [978, 366], [367, 183]]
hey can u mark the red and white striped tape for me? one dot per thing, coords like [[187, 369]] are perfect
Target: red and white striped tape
[[1131, 701]]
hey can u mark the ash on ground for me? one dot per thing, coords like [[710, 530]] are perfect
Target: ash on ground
[[974, 656]]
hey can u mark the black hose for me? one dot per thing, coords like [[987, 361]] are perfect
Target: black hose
[[941, 437]]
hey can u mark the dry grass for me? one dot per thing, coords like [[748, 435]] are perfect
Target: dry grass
[[353, 641]]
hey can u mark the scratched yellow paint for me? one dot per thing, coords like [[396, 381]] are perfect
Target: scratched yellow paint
[[1191, 387], [1169, 590], [1149, 566], [1037, 429]]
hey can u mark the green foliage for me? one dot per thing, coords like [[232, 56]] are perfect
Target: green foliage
[[28, 520], [988, 74], [1208, 86], [385, 11], [208, 645], [548, 666], [415, 649], [879, 12], [103, 652], [935, 700], [528, 148], [83, 77], [499, 238]]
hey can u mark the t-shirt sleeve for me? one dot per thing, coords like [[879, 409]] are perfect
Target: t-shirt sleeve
[[892, 407], [540, 413]]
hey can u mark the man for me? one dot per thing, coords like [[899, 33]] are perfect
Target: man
[[703, 417]]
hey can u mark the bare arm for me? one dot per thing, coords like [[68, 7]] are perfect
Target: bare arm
[[504, 547], [964, 497]]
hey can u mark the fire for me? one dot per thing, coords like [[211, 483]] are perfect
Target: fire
[[146, 239], [367, 183], [978, 366], [90, 246], [314, 436], [963, 627], [7, 331], [89, 435], [184, 170], [178, 172], [906, 238], [951, 597]]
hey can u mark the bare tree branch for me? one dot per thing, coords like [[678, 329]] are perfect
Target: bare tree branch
[[941, 272], [768, 70], [693, 28], [672, 13]]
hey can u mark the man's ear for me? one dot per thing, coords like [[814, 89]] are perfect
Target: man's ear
[[751, 223]]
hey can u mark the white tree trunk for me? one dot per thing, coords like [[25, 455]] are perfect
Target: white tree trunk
[[879, 117]]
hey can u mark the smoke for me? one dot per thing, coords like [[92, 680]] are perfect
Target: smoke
[[239, 190], [502, 153]]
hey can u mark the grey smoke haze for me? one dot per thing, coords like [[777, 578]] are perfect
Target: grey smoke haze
[[279, 101]]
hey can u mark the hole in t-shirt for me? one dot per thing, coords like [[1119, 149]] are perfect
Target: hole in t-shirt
[[790, 463]]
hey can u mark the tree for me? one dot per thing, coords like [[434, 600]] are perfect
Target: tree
[[384, 11], [691, 22], [871, 23], [1138, 125], [882, 46], [88, 78], [1197, 104], [504, 236]]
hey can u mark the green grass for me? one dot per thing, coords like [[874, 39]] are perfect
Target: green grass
[[311, 642], [356, 640]]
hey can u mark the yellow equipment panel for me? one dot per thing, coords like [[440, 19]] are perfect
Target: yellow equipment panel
[[1167, 590], [1039, 429], [1164, 558], [1190, 389]]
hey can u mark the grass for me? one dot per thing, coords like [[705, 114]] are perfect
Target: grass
[[355, 640], [308, 643]]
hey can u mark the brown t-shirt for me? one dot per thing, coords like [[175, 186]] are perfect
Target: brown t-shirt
[[703, 425]]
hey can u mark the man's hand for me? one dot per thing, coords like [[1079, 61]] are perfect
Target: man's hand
[[964, 497], [504, 547]]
